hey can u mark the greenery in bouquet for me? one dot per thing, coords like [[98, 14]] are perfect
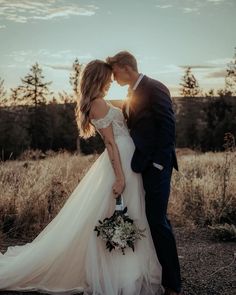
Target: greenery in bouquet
[[119, 231]]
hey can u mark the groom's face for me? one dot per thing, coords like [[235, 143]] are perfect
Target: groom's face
[[120, 74]]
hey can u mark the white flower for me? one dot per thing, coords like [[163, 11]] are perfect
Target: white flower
[[119, 232]]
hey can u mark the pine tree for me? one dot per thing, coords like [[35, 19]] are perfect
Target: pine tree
[[210, 93], [14, 137], [74, 77], [35, 91], [15, 96], [230, 79], [190, 86], [74, 81], [3, 93], [35, 94], [64, 97]]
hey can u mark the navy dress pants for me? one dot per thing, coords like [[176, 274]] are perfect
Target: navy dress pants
[[157, 188]]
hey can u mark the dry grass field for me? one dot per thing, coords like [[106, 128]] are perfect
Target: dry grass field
[[204, 190], [33, 191], [202, 209]]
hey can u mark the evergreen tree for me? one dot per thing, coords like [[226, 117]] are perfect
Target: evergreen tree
[[220, 118], [15, 96], [14, 136], [3, 93], [223, 92], [74, 81], [210, 93], [74, 77], [35, 94], [64, 97], [230, 79], [35, 91], [190, 86]]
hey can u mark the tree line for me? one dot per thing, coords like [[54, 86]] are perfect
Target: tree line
[[33, 117]]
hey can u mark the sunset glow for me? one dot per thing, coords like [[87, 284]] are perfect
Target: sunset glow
[[164, 35]]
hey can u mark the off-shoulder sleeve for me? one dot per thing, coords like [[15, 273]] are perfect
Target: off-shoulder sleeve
[[103, 122]]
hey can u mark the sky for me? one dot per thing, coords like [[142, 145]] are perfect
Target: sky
[[165, 36]]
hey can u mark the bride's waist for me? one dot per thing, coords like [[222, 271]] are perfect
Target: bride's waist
[[122, 134], [124, 139]]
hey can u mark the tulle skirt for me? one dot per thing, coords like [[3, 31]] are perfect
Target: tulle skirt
[[68, 258]]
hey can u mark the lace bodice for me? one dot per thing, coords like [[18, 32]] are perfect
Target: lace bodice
[[115, 117]]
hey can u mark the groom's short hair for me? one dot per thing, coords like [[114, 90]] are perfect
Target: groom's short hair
[[123, 58]]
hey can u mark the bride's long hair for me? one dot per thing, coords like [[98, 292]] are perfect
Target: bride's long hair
[[95, 76]]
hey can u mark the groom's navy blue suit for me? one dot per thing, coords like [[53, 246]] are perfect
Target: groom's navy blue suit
[[152, 127]]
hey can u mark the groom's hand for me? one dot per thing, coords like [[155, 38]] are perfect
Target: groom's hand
[[158, 166]]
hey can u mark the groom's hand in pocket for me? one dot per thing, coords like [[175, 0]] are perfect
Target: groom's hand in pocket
[[158, 166]]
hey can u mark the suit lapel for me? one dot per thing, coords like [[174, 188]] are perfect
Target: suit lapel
[[135, 102], [138, 100]]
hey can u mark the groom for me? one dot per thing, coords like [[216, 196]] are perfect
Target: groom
[[150, 118]]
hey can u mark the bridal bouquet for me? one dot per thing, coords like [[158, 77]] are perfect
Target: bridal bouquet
[[119, 231]]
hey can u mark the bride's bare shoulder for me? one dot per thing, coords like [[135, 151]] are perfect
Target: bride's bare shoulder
[[98, 109]]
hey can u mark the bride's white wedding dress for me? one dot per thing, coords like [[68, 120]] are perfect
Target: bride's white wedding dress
[[67, 257]]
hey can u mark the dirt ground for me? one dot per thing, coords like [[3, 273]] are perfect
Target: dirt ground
[[208, 266]]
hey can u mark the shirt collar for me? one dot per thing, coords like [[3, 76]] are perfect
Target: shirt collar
[[137, 82]]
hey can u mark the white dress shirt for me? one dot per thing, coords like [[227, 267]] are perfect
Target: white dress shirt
[[133, 89], [137, 82]]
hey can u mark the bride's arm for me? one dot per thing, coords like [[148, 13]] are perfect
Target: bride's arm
[[98, 110]]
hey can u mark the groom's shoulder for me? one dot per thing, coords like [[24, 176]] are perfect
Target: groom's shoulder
[[157, 85]]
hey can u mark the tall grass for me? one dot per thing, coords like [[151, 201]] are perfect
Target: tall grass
[[32, 192], [204, 191]]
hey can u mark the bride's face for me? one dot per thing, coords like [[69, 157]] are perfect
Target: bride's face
[[121, 75]]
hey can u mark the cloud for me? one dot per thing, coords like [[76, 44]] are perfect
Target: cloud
[[220, 61], [22, 11], [216, 1], [65, 12], [216, 74], [164, 6], [215, 70], [190, 10], [46, 56], [2, 27], [21, 55], [207, 73], [167, 70], [197, 66], [213, 63], [59, 67], [186, 6], [191, 6]]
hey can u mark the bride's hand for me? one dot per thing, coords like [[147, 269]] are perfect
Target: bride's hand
[[118, 187]]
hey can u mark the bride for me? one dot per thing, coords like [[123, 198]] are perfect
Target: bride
[[67, 257]]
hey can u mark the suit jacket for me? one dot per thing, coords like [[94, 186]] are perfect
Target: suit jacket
[[151, 122]]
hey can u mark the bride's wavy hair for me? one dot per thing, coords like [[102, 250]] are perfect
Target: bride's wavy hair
[[95, 76]]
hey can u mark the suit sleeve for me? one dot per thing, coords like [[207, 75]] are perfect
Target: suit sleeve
[[160, 104]]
